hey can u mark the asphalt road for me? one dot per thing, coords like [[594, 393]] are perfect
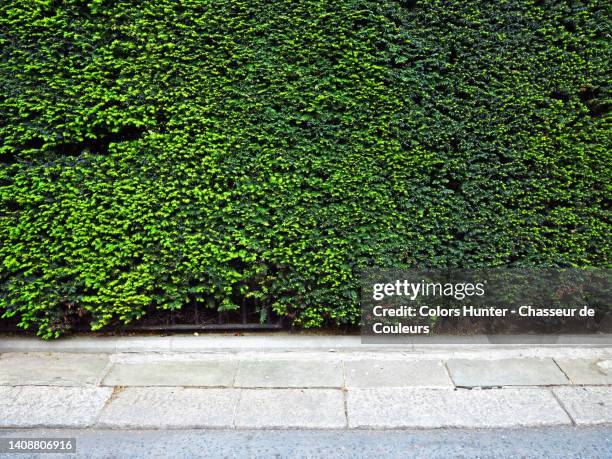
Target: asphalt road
[[557, 442]]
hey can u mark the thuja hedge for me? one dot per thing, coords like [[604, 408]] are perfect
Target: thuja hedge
[[155, 153]]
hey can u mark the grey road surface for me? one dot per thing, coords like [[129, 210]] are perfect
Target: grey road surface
[[551, 442]]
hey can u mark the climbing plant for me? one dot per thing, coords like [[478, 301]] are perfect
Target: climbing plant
[[154, 153]]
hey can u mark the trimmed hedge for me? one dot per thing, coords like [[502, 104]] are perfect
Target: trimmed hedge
[[156, 152]]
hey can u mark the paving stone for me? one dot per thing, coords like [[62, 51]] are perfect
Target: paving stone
[[587, 371], [48, 369], [396, 373], [203, 373], [290, 373], [436, 408], [587, 405], [291, 408], [505, 372], [166, 407], [48, 406]]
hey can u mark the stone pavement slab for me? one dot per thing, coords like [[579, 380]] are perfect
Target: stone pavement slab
[[587, 405], [587, 371], [40, 406], [290, 373], [204, 373], [309, 390], [291, 408], [436, 408], [166, 407], [505, 372], [42, 369], [396, 373]]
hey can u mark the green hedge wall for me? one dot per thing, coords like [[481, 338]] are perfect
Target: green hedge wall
[[157, 152]]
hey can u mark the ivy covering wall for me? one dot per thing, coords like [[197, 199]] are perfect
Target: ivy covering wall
[[154, 152]]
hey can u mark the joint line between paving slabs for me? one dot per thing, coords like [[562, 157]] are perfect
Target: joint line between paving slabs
[[115, 390], [450, 377], [343, 374], [344, 390], [235, 378], [562, 405], [562, 371], [105, 372], [236, 407]]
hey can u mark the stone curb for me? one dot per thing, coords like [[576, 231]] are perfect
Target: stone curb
[[387, 408], [280, 342]]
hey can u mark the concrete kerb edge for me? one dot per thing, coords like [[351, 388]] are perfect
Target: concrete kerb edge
[[271, 343]]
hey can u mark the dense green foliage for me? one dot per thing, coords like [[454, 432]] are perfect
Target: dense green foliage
[[154, 152]]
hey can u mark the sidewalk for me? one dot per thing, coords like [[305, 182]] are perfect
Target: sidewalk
[[313, 387]]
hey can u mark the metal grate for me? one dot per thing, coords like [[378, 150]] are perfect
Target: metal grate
[[198, 318], [192, 318]]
